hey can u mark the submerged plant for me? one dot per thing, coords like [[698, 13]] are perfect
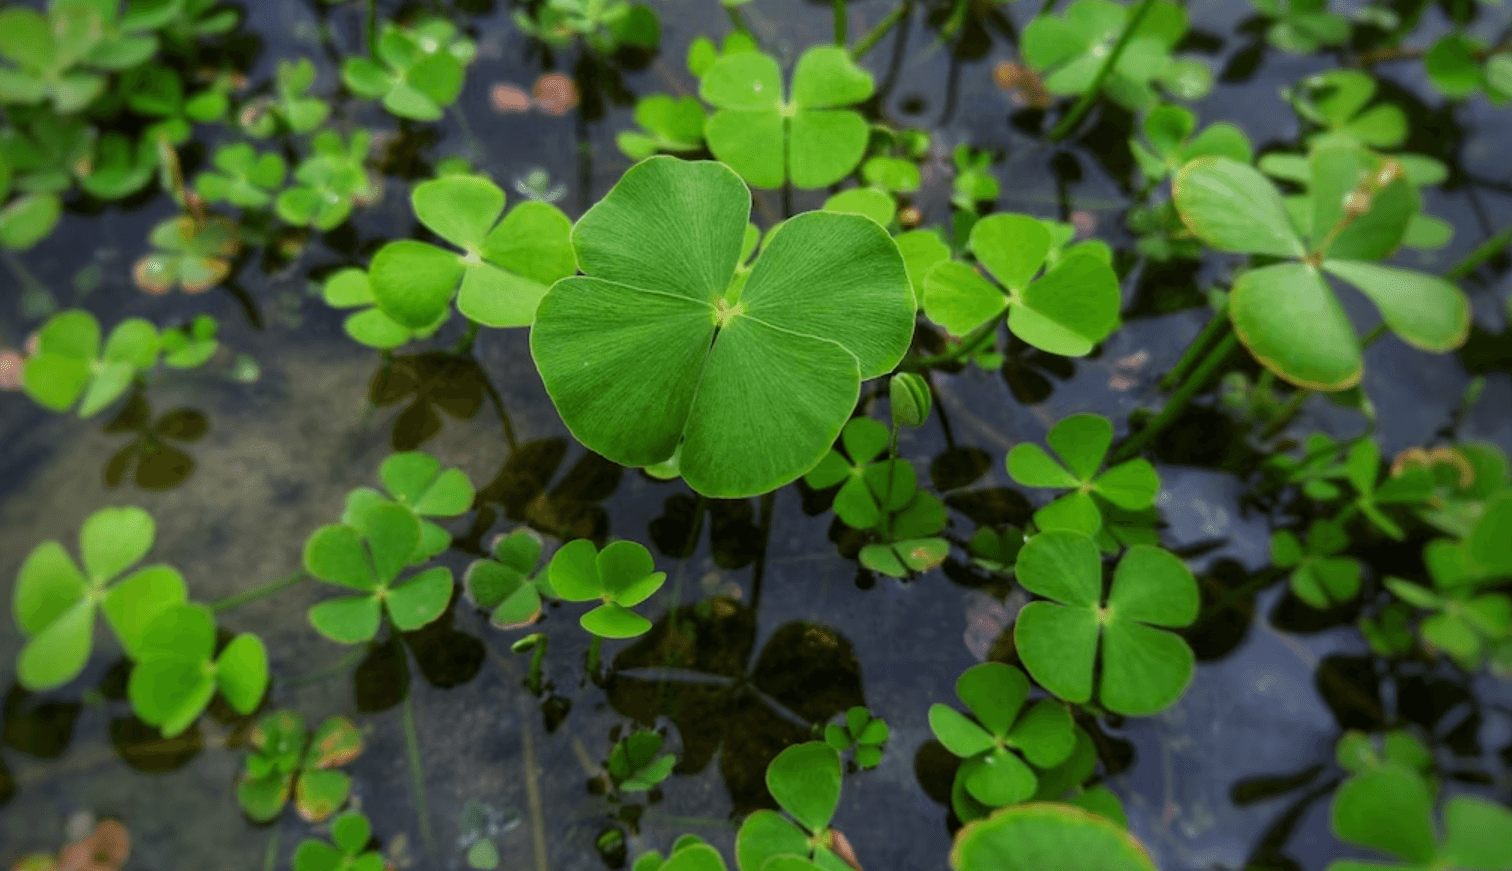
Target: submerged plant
[[1467, 620], [328, 182], [190, 253], [1286, 313], [605, 25], [506, 267], [1319, 577], [284, 762], [998, 748], [619, 577], [634, 764], [1145, 668], [243, 178], [291, 106], [421, 69], [810, 138], [368, 557], [660, 350], [1067, 311]]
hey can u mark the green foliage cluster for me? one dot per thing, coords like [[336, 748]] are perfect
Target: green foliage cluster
[[284, 762], [178, 665]]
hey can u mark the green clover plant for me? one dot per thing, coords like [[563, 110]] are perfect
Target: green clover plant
[[1033, 837], [882, 498], [805, 781], [974, 184], [52, 55], [416, 480], [605, 25], [860, 731], [1409, 488], [368, 558], [191, 345], [1144, 667], [1336, 100], [1285, 313], [619, 577], [1389, 808], [55, 603], [1358, 752], [634, 765], [291, 107], [1468, 622], [157, 91], [350, 834], [654, 352], [350, 289], [119, 166], [1067, 311], [44, 151], [666, 124], [70, 363], [810, 138], [1319, 576], [421, 69], [284, 762], [1069, 782], [244, 177], [998, 747], [1302, 26], [1460, 65], [1068, 51], [1082, 442], [1171, 141], [178, 671], [507, 585], [328, 182], [187, 253], [505, 267]]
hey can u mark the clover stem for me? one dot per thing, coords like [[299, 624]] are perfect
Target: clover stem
[[1215, 325], [328, 672], [695, 526], [465, 344], [892, 460], [371, 28], [1178, 401], [417, 770], [874, 36], [1287, 413], [737, 21], [970, 345], [1483, 252], [758, 570], [957, 18], [260, 592], [270, 855], [840, 35], [592, 665], [1072, 118]]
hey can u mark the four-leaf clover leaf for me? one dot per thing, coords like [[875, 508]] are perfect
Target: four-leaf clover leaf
[[69, 362], [805, 781], [1067, 311], [996, 746], [422, 69], [416, 480], [505, 268], [245, 179], [1320, 577], [810, 139], [190, 253], [278, 755], [350, 833], [369, 559], [659, 350], [867, 491], [178, 672], [504, 584], [1144, 667], [55, 603], [1082, 442]]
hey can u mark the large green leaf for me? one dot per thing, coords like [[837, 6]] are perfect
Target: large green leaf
[[1233, 207], [805, 780], [1387, 807], [1425, 310], [650, 352], [1289, 318], [1035, 837]]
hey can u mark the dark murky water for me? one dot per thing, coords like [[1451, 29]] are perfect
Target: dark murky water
[[1234, 773]]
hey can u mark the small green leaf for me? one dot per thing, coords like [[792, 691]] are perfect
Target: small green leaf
[[805, 781], [241, 671], [419, 600], [1234, 208], [349, 619]]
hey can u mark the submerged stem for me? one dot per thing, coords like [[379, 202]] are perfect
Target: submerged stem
[[1072, 118], [260, 592], [1179, 399], [270, 855], [417, 770], [840, 35], [1483, 252], [1215, 325], [874, 36], [371, 28], [970, 345]]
